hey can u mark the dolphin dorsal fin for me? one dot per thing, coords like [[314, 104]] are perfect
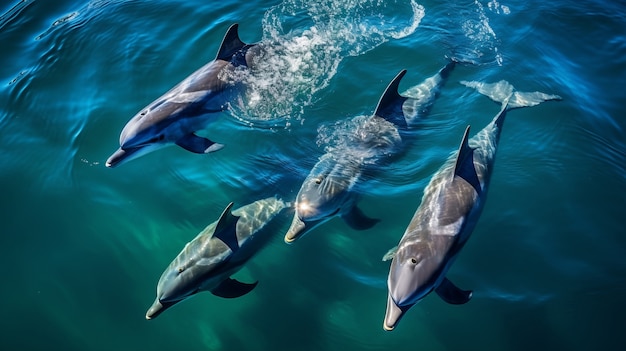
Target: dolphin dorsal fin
[[390, 103], [230, 44], [226, 229], [464, 166]]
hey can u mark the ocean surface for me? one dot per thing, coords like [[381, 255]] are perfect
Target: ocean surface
[[83, 246]]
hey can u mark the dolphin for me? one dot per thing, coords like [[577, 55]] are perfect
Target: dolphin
[[219, 251], [328, 190], [190, 106], [450, 207]]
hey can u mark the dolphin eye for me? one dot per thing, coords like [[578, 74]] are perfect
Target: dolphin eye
[[319, 180], [413, 260]]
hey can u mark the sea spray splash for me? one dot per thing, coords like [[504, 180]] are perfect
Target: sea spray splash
[[304, 43]]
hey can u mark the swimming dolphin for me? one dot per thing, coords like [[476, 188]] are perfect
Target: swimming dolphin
[[219, 251], [188, 107], [450, 207], [328, 189]]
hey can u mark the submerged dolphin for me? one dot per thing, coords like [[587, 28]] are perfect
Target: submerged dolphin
[[328, 189], [219, 251], [450, 207], [188, 107]]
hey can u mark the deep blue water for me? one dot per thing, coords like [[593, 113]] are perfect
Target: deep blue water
[[83, 245]]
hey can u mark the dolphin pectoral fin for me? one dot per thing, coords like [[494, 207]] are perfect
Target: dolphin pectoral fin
[[390, 254], [356, 219], [198, 145], [231, 288], [451, 294]]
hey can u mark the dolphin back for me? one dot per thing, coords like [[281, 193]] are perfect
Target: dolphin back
[[255, 216]]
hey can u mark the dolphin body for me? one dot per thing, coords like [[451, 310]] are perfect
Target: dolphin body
[[328, 190], [219, 251], [190, 106], [450, 208]]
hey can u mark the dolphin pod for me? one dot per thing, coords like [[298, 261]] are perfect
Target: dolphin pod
[[219, 251], [448, 212], [327, 191], [450, 207], [187, 108]]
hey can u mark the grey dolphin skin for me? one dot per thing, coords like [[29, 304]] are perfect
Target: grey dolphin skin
[[328, 189], [219, 251], [188, 107], [450, 207]]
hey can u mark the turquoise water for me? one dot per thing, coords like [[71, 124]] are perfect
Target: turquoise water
[[83, 245]]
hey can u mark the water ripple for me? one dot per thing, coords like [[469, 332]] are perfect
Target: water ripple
[[13, 13]]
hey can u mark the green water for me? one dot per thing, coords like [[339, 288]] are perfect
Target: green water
[[83, 246]]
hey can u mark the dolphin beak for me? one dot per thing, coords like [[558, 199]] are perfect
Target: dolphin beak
[[129, 153], [296, 230], [157, 308], [119, 156], [393, 314]]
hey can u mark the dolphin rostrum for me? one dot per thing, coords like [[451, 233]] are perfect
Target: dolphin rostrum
[[450, 207], [219, 251], [328, 190], [188, 107]]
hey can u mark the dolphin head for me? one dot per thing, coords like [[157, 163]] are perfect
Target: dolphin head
[[147, 131], [176, 284], [413, 275], [321, 197]]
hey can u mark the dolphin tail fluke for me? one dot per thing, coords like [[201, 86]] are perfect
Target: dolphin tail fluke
[[356, 219], [230, 44], [451, 294], [503, 92], [231, 288]]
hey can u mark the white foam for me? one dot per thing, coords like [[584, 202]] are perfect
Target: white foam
[[299, 61], [495, 6], [482, 35], [418, 14]]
